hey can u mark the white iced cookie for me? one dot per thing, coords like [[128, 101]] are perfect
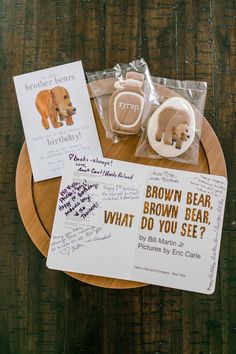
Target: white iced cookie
[[171, 128]]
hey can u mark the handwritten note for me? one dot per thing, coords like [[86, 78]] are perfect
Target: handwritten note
[[78, 237], [78, 199], [120, 192], [138, 222]]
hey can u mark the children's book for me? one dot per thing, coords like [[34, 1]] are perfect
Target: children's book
[[130, 221]]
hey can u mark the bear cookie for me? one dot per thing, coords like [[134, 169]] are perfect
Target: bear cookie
[[171, 128], [173, 124]]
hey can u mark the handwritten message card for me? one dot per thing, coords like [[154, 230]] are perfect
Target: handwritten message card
[[57, 117], [137, 222]]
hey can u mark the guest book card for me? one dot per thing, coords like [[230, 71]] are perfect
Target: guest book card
[[57, 117], [136, 222]]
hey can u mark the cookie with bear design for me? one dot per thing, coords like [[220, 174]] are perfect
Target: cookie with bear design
[[171, 128]]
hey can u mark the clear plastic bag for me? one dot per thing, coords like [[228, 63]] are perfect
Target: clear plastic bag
[[168, 132], [124, 97], [194, 91]]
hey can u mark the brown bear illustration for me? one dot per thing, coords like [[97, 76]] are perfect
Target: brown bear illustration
[[55, 103], [173, 123]]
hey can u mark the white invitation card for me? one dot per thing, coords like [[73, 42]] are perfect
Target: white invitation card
[[137, 222], [57, 117]]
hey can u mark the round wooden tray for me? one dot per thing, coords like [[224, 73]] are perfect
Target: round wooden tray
[[37, 201]]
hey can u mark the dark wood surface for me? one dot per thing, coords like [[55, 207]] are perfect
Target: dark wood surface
[[44, 311]]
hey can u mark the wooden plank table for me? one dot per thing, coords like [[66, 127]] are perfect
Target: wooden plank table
[[44, 311]]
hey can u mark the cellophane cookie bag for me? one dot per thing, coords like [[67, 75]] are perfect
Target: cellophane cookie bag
[[173, 130], [124, 96]]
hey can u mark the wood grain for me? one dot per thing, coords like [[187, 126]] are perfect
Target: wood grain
[[48, 312], [13, 253], [224, 45], [122, 31], [159, 41], [195, 27]]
